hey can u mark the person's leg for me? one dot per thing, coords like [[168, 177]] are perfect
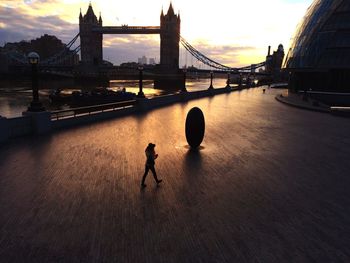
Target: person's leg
[[154, 174], [145, 175]]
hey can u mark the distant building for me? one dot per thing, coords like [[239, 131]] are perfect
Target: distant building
[[46, 46], [142, 60], [319, 57], [130, 65], [274, 61], [152, 61]]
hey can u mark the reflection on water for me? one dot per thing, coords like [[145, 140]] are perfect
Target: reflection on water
[[133, 86], [15, 96]]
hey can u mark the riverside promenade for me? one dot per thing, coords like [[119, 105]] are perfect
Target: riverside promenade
[[269, 184]]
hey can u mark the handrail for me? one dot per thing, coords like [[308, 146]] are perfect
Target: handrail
[[343, 108], [56, 115]]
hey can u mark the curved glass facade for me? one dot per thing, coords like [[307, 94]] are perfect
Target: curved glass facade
[[320, 52]]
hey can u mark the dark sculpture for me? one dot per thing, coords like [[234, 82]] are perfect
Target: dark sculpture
[[195, 127]]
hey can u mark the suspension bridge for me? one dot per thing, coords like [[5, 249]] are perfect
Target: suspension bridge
[[57, 60], [172, 45]]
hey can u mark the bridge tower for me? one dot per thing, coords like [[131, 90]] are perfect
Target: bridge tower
[[169, 40], [90, 41]]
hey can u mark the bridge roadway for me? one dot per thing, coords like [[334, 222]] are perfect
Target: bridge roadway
[[127, 29], [271, 184]]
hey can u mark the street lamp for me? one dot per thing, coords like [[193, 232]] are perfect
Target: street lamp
[[240, 80], [184, 86], [35, 105], [228, 80], [211, 80], [140, 94]]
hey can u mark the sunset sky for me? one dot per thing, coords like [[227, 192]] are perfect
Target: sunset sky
[[232, 32]]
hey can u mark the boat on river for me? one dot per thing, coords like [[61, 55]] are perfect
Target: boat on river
[[94, 97]]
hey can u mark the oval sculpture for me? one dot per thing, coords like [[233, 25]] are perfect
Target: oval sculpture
[[195, 127]]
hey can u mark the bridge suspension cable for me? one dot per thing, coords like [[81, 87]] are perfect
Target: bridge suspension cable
[[64, 53], [213, 64], [69, 54]]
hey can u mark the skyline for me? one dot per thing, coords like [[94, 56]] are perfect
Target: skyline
[[228, 37]]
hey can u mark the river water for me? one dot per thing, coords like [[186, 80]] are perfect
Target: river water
[[15, 96]]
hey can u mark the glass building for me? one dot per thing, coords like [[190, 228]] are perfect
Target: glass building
[[319, 57]]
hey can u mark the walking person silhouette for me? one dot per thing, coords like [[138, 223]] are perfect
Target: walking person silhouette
[[151, 156]]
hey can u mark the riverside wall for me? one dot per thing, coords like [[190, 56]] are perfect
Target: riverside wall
[[44, 122]]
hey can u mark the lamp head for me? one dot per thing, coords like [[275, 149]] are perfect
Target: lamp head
[[33, 58], [140, 68]]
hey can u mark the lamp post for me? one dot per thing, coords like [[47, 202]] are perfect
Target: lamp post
[[240, 80], [228, 80], [35, 105], [211, 80], [184, 86], [140, 94]]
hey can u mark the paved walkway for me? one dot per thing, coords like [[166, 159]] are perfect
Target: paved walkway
[[270, 184]]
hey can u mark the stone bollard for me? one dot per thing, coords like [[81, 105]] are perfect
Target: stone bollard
[[4, 129], [142, 104], [184, 95], [211, 92], [41, 121]]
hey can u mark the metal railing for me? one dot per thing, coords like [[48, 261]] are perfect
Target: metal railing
[[89, 110]]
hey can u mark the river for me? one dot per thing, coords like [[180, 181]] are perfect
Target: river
[[15, 96]]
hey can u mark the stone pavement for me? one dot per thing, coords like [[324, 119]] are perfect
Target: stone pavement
[[270, 184]]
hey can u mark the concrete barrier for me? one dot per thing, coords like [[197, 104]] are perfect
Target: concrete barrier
[[341, 111], [142, 104], [20, 126], [90, 118], [4, 129], [165, 100], [330, 98], [40, 122]]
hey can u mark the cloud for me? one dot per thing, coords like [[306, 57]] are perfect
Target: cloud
[[39, 2], [21, 26], [226, 54], [119, 49]]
